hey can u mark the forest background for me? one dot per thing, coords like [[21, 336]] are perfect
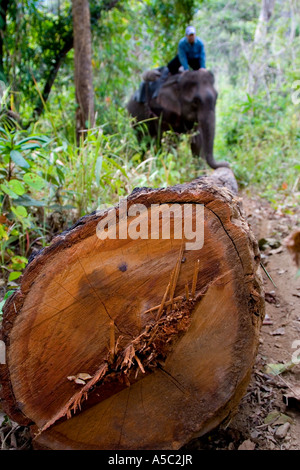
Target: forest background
[[48, 179]]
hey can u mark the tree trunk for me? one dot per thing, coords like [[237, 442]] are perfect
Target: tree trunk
[[266, 12], [259, 56], [83, 66], [51, 76], [145, 343]]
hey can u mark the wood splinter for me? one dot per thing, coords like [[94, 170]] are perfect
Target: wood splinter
[[187, 295], [112, 338], [162, 305], [175, 276], [167, 303], [139, 364], [195, 277]]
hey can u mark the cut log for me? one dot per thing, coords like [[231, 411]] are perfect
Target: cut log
[[136, 343]]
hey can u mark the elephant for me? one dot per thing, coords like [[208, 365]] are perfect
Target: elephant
[[184, 102]]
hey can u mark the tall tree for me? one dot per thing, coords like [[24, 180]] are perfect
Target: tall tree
[[85, 114], [258, 53], [34, 64], [267, 8]]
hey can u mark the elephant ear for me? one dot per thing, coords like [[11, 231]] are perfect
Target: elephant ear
[[168, 97], [211, 77]]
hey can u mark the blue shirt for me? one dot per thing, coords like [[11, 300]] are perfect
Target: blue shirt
[[191, 51]]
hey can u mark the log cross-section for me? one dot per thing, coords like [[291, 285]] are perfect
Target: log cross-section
[[135, 343]]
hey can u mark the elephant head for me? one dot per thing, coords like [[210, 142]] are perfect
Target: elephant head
[[187, 101]]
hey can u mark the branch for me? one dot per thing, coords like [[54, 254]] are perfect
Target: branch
[[52, 75]]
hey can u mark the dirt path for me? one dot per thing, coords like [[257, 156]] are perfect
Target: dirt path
[[265, 418], [260, 420]]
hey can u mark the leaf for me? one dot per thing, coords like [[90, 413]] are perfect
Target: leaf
[[115, 164], [84, 376], [18, 158], [8, 191], [31, 146], [80, 378], [271, 417], [20, 211], [34, 181], [19, 259], [50, 178], [60, 175], [79, 381], [98, 168], [14, 275], [41, 138], [27, 201], [17, 187], [276, 369], [276, 417], [3, 232], [282, 419], [8, 294], [71, 377]]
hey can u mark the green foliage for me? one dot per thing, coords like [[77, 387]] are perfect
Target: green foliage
[[8, 294], [250, 133], [169, 21], [125, 32], [20, 165], [43, 171], [257, 120]]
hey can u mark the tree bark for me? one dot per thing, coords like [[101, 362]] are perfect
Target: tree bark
[[85, 113], [267, 8], [136, 343]]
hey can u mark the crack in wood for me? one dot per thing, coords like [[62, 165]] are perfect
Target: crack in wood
[[174, 380]]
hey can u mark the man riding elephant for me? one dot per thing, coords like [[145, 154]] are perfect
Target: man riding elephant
[[191, 52], [182, 102]]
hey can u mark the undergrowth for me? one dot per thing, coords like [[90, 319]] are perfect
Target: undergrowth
[[47, 182]]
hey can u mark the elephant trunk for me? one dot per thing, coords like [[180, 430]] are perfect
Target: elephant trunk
[[208, 133]]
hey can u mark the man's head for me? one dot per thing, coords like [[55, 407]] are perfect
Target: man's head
[[190, 33]]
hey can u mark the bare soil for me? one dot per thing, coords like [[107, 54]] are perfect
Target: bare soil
[[268, 417], [269, 401]]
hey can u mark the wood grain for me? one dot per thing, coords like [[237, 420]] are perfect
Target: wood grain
[[168, 335]]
